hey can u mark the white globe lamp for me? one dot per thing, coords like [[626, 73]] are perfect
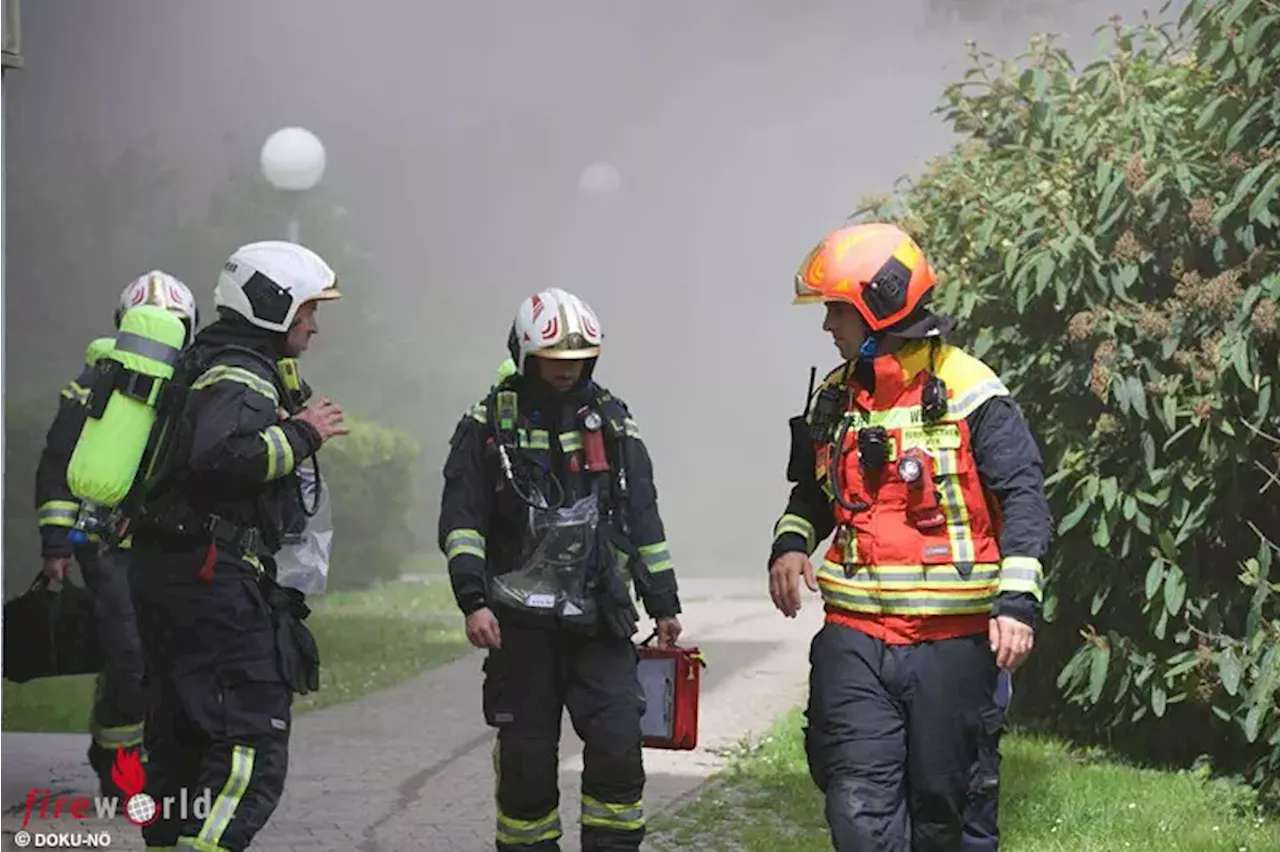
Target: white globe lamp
[[293, 161]]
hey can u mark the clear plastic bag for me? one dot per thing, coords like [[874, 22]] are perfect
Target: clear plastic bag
[[303, 562], [553, 577]]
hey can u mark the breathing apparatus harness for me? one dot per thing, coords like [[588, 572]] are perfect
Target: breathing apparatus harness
[[293, 395], [523, 474], [601, 454]]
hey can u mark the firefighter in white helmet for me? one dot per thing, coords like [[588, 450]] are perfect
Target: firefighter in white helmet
[[117, 716], [549, 513], [219, 714]]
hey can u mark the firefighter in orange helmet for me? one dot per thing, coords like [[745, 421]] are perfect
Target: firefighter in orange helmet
[[914, 454]]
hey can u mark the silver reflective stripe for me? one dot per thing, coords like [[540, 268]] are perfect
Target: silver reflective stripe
[[146, 348]]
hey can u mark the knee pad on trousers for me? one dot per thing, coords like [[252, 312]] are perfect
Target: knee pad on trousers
[[613, 771], [865, 816], [528, 774]]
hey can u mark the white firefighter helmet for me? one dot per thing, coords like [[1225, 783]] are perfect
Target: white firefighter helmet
[[554, 324], [266, 282], [164, 291]]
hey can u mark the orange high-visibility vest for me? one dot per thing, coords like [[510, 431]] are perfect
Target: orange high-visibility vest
[[918, 555]]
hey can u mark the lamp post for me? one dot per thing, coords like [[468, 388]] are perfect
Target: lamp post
[[293, 161]]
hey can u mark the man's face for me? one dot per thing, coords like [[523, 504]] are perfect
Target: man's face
[[846, 328], [561, 373], [304, 326]]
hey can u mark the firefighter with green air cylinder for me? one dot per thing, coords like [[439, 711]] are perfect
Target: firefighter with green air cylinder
[[86, 462], [223, 497]]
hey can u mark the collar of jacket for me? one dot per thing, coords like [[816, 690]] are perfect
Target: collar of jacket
[[226, 331], [885, 376]]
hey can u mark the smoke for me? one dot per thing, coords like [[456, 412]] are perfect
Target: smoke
[[670, 162]]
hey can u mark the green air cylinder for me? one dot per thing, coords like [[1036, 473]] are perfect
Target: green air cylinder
[[97, 348], [131, 376]]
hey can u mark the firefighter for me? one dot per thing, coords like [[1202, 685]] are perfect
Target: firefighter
[[549, 512], [915, 455], [225, 645], [116, 718]]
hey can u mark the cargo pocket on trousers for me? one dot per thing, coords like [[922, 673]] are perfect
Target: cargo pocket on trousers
[[985, 779], [493, 693], [256, 703]]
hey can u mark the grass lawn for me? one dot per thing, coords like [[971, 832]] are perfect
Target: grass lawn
[[1054, 799], [369, 639]]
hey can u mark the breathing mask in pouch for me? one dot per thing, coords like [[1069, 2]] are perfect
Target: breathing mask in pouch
[[296, 648], [302, 562], [562, 558], [124, 401]]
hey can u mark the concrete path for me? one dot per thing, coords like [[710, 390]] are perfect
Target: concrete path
[[409, 769]]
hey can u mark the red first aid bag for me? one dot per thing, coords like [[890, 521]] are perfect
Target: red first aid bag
[[671, 680]]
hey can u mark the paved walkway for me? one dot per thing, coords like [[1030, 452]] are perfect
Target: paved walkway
[[409, 768]]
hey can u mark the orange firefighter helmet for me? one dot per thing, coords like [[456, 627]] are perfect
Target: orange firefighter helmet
[[876, 267]]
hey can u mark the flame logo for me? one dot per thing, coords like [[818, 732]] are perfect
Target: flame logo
[[128, 773]]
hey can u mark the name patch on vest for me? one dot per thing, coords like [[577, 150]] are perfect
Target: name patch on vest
[[942, 436]]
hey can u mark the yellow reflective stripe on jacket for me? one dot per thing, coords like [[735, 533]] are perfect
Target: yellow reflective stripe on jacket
[[76, 392], [57, 513], [280, 460], [570, 442], [951, 501], [458, 542], [618, 817], [910, 589], [800, 526], [225, 805], [656, 557], [534, 439], [972, 398], [477, 413], [225, 373], [1022, 574], [119, 736]]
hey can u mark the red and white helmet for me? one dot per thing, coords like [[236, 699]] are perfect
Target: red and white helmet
[[554, 324], [164, 291]]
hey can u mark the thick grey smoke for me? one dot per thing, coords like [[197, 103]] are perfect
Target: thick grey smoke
[[726, 136]]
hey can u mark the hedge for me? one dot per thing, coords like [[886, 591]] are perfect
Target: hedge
[[1109, 239]]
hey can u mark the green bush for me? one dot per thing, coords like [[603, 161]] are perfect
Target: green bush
[[1109, 239], [371, 475]]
